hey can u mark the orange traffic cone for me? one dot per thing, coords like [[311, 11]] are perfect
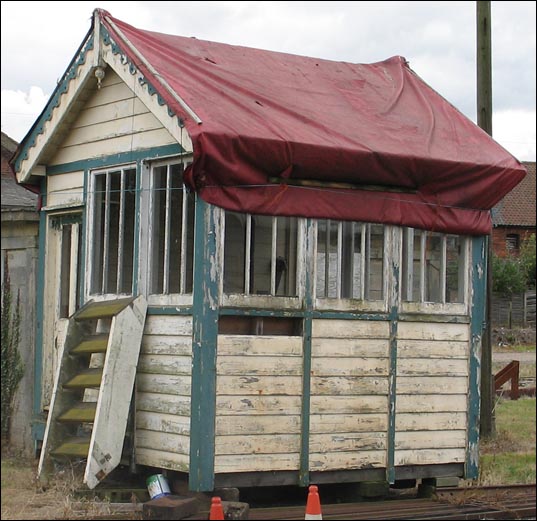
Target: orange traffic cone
[[313, 506], [217, 511]]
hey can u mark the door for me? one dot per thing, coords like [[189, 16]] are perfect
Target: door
[[61, 298]]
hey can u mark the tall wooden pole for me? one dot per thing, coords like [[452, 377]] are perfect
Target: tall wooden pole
[[484, 120]]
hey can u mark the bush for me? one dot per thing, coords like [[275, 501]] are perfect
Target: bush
[[508, 276], [527, 261], [12, 367]]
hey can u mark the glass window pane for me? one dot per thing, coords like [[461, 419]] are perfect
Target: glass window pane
[[175, 227], [261, 256], [286, 253], [234, 252], [158, 235], [129, 201], [454, 269], [433, 268], [374, 262], [99, 196], [114, 199]]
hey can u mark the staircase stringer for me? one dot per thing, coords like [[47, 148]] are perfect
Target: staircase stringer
[[115, 393], [60, 399]]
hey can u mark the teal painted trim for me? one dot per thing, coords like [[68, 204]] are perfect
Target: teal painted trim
[[136, 246], [345, 315], [339, 315], [204, 346], [304, 474], [40, 290], [478, 303], [54, 101], [82, 272], [392, 381], [169, 310], [133, 69], [116, 159]]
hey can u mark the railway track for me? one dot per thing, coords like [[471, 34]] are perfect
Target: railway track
[[499, 502]]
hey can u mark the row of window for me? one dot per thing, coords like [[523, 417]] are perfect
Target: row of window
[[262, 254]]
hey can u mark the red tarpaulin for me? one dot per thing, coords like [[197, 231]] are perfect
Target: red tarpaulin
[[369, 142]]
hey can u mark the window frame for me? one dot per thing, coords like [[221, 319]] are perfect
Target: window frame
[[352, 304], [270, 301], [423, 306]]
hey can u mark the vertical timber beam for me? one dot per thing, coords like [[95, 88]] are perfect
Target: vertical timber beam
[[393, 250], [477, 309], [309, 271], [204, 344], [38, 424]]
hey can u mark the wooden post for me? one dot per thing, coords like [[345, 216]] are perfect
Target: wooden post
[[484, 120]]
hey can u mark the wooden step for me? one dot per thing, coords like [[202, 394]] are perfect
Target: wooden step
[[87, 378], [103, 309], [82, 412], [94, 344], [77, 446]]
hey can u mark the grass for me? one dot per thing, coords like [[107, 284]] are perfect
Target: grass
[[517, 348], [509, 457]]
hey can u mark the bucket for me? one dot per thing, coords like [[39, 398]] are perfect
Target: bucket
[[157, 485]]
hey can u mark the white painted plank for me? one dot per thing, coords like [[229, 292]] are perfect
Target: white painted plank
[[433, 331], [355, 347], [417, 403], [429, 456], [257, 444], [162, 460], [113, 110], [347, 460], [432, 367], [347, 442], [111, 129], [164, 441], [426, 349], [163, 422], [165, 364], [333, 328], [259, 365], [256, 463], [164, 383], [342, 385], [258, 405], [348, 404], [111, 146], [432, 384], [436, 421], [259, 385], [412, 440], [115, 394], [245, 425], [259, 345], [174, 325], [325, 366], [167, 345], [165, 403], [109, 94], [62, 182], [331, 423]]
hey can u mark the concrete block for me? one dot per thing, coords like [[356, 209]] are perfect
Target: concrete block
[[170, 507], [235, 510]]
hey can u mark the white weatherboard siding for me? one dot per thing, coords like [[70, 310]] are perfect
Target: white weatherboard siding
[[113, 121], [258, 403], [349, 394], [163, 387], [432, 388]]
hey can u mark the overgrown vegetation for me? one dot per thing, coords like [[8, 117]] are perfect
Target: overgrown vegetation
[[12, 367], [511, 275], [509, 457]]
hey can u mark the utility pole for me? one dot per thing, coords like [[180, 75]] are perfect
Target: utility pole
[[484, 120]]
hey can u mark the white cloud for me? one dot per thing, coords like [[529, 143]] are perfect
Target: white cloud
[[515, 131], [20, 110]]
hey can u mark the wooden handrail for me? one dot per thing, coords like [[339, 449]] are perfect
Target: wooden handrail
[[510, 372]]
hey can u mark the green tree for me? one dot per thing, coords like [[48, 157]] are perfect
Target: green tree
[[508, 276], [527, 260], [12, 367]]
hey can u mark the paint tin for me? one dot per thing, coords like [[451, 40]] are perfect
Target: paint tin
[[157, 485]]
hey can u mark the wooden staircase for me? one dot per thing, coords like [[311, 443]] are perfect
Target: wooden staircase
[[93, 388]]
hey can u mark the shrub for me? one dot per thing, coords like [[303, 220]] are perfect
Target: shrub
[[12, 367]]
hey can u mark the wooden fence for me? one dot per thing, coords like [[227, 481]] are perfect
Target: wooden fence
[[517, 311]]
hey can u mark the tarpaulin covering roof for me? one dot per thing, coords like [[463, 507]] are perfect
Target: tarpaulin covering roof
[[290, 135]]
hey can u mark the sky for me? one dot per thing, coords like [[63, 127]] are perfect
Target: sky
[[438, 39]]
